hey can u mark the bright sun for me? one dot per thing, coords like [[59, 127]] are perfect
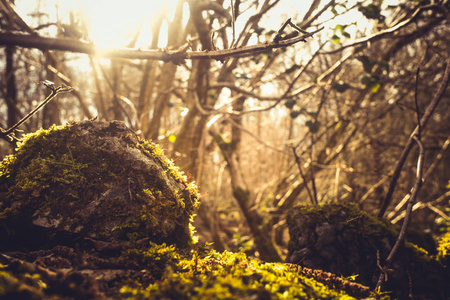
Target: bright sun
[[109, 22]]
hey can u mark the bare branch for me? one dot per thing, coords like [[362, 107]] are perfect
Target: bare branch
[[305, 180], [423, 122], [72, 45], [409, 208], [382, 33], [8, 135]]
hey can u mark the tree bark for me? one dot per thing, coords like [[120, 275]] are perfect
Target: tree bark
[[11, 89]]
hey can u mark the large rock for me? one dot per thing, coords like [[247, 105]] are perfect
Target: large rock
[[92, 180], [347, 241]]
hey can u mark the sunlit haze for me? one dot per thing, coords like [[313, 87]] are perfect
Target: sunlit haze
[[109, 22], [113, 22]]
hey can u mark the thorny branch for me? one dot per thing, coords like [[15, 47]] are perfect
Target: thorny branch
[[8, 135]]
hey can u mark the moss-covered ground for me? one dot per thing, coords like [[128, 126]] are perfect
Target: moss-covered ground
[[164, 272], [90, 211]]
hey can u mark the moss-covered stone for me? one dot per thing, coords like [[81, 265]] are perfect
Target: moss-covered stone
[[92, 179], [347, 241]]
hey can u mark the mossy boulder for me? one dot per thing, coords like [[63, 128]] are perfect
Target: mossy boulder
[[346, 241], [93, 181]]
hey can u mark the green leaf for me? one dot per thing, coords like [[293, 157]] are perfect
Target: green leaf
[[313, 126], [341, 87], [291, 69], [259, 30], [448, 185], [336, 39], [375, 87], [371, 11], [366, 62], [289, 103], [312, 114], [294, 114], [371, 82], [172, 138]]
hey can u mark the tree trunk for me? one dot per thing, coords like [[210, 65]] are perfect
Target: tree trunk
[[11, 89]]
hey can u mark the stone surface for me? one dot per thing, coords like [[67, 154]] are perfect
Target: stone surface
[[94, 180]]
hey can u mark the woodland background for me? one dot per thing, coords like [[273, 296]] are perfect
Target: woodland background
[[321, 121]]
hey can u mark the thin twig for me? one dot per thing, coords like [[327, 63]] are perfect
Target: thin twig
[[419, 129], [378, 35], [412, 200], [423, 122], [298, 163], [9, 134], [313, 178], [233, 25]]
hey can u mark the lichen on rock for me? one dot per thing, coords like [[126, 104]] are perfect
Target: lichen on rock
[[95, 180]]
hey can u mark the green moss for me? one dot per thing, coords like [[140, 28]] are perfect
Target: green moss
[[21, 286], [230, 276], [443, 248]]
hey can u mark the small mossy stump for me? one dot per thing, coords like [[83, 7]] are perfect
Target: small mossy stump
[[347, 241], [92, 180]]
